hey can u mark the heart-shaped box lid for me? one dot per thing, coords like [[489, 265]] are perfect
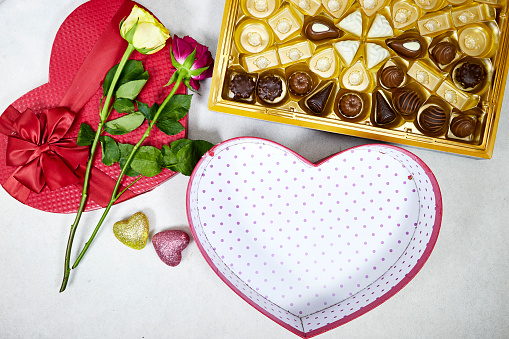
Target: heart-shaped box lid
[[74, 40], [313, 246]]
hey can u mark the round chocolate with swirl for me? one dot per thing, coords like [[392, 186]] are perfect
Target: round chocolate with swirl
[[462, 126], [432, 119], [444, 52], [406, 101], [300, 83], [392, 77], [350, 105]]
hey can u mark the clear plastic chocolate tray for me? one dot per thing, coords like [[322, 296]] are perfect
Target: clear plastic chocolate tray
[[425, 73]]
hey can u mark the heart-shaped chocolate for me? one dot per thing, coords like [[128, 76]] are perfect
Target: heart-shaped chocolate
[[133, 232], [169, 246], [313, 246], [74, 41]]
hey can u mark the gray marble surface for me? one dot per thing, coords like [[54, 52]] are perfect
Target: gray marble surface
[[122, 293]]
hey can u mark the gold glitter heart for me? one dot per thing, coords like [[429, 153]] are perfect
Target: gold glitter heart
[[132, 232]]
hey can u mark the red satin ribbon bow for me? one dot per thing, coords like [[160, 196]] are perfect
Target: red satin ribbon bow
[[38, 148]]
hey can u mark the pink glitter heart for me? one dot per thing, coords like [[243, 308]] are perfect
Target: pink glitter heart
[[169, 246]]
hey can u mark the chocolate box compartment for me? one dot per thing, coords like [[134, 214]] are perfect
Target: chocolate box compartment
[[229, 59], [313, 246]]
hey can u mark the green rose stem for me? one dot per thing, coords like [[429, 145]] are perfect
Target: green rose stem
[[114, 195], [84, 195]]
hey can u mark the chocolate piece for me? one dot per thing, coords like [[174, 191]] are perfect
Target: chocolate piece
[[392, 77], [470, 75], [406, 47], [350, 105], [444, 52], [406, 101], [300, 83], [318, 101], [384, 113], [319, 29], [270, 88], [242, 86], [432, 119], [462, 126]]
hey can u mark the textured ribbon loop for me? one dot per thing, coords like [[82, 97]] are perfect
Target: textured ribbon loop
[[43, 156]]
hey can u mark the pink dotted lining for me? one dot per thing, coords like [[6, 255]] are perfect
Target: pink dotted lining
[[307, 268]]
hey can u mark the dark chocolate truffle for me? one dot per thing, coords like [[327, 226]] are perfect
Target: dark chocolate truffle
[[318, 29], [462, 126], [384, 113], [318, 101], [350, 105], [407, 47], [300, 83], [444, 52], [392, 77], [470, 75], [270, 88], [432, 119], [242, 86], [406, 101]]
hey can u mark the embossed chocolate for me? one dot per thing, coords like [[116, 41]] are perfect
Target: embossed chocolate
[[406, 101], [352, 23], [270, 88], [350, 105], [432, 119], [347, 49], [444, 52], [469, 75], [462, 126], [318, 101], [242, 86], [300, 83], [375, 54], [392, 77], [384, 113], [319, 29], [381, 28], [407, 47]]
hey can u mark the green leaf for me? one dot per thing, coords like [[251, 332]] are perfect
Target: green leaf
[[144, 109], [110, 151], [131, 89], [173, 77], [147, 111], [199, 71], [133, 70], [184, 154], [86, 135], [125, 150], [148, 161], [122, 105], [124, 124], [176, 108], [168, 157], [170, 127], [188, 63]]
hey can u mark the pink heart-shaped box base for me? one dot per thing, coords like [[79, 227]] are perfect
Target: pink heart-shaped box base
[[313, 246]]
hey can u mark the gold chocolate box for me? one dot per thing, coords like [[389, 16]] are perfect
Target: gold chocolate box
[[426, 73]]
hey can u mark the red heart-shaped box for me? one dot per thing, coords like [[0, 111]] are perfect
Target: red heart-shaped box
[[75, 39], [313, 246]]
